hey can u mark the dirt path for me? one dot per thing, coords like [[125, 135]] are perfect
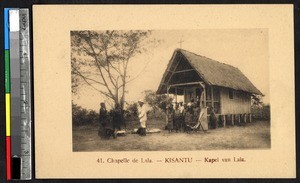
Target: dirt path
[[253, 136]]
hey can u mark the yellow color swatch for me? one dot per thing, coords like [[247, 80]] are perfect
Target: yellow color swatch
[[7, 110]]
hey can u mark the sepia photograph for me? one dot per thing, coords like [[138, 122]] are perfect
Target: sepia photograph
[[170, 90]]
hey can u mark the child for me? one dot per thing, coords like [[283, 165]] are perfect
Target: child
[[177, 118], [170, 117]]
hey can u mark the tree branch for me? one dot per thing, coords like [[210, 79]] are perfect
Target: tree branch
[[76, 72], [97, 61]]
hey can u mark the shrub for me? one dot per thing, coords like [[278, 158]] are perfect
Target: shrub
[[157, 102], [131, 113], [81, 116], [260, 112], [156, 114]]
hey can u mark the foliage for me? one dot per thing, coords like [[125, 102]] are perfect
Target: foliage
[[156, 114], [256, 100], [100, 60], [157, 101], [131, 111], [260, 112], [81, 116]]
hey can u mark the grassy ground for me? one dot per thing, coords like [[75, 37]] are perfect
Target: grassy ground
[[255, 135]]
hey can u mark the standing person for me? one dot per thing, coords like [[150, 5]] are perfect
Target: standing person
[[170, 117], [105, 131], [103, 115], [182, 113], [177, 118], [181, 107], [142, 117], [213, 118], [198, 102], [196, 113], [117, 118], [190, 105]]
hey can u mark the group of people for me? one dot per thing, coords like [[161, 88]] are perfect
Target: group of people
[[179, 115], [110, 122]]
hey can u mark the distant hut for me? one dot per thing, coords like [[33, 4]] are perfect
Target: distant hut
[[217, 85]]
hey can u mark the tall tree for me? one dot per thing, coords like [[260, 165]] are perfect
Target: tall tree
[[100, 60]]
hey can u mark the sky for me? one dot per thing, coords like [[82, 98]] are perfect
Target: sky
[[246, 49]]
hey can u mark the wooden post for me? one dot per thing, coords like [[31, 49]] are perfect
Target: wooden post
[[245, 117], [250, 118], [168, 87], [204, 123], [232, 119], [224, 120], [176, 95], [184, 93], [212, 96], [239, 118], [204, 96]]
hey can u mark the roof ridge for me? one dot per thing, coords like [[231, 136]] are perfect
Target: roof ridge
[[214, 73], [180, 49]]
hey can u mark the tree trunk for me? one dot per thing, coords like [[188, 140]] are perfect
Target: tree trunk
[[122, 102]]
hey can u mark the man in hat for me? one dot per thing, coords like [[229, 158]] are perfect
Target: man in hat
[[143, 117]]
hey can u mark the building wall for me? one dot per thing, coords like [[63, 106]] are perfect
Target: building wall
[[239, 104], [194, 92]]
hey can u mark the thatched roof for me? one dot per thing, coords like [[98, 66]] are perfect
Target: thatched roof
[[214, 73]]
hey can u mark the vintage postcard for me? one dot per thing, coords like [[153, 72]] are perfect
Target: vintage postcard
[[164, 91]]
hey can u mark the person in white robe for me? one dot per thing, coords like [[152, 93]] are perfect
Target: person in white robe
[[142, 117]]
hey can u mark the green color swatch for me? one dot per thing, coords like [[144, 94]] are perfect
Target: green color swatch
[[7, 72]]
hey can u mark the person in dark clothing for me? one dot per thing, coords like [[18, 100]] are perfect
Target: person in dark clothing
[[182, 109], [198, 102], [213, 118], [103, 115], [117, 117], [177, 118], [105, 131], [170, 118]]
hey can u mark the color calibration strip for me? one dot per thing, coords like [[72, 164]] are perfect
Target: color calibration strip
[[18, 94], [7, 93], [14, 57]]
